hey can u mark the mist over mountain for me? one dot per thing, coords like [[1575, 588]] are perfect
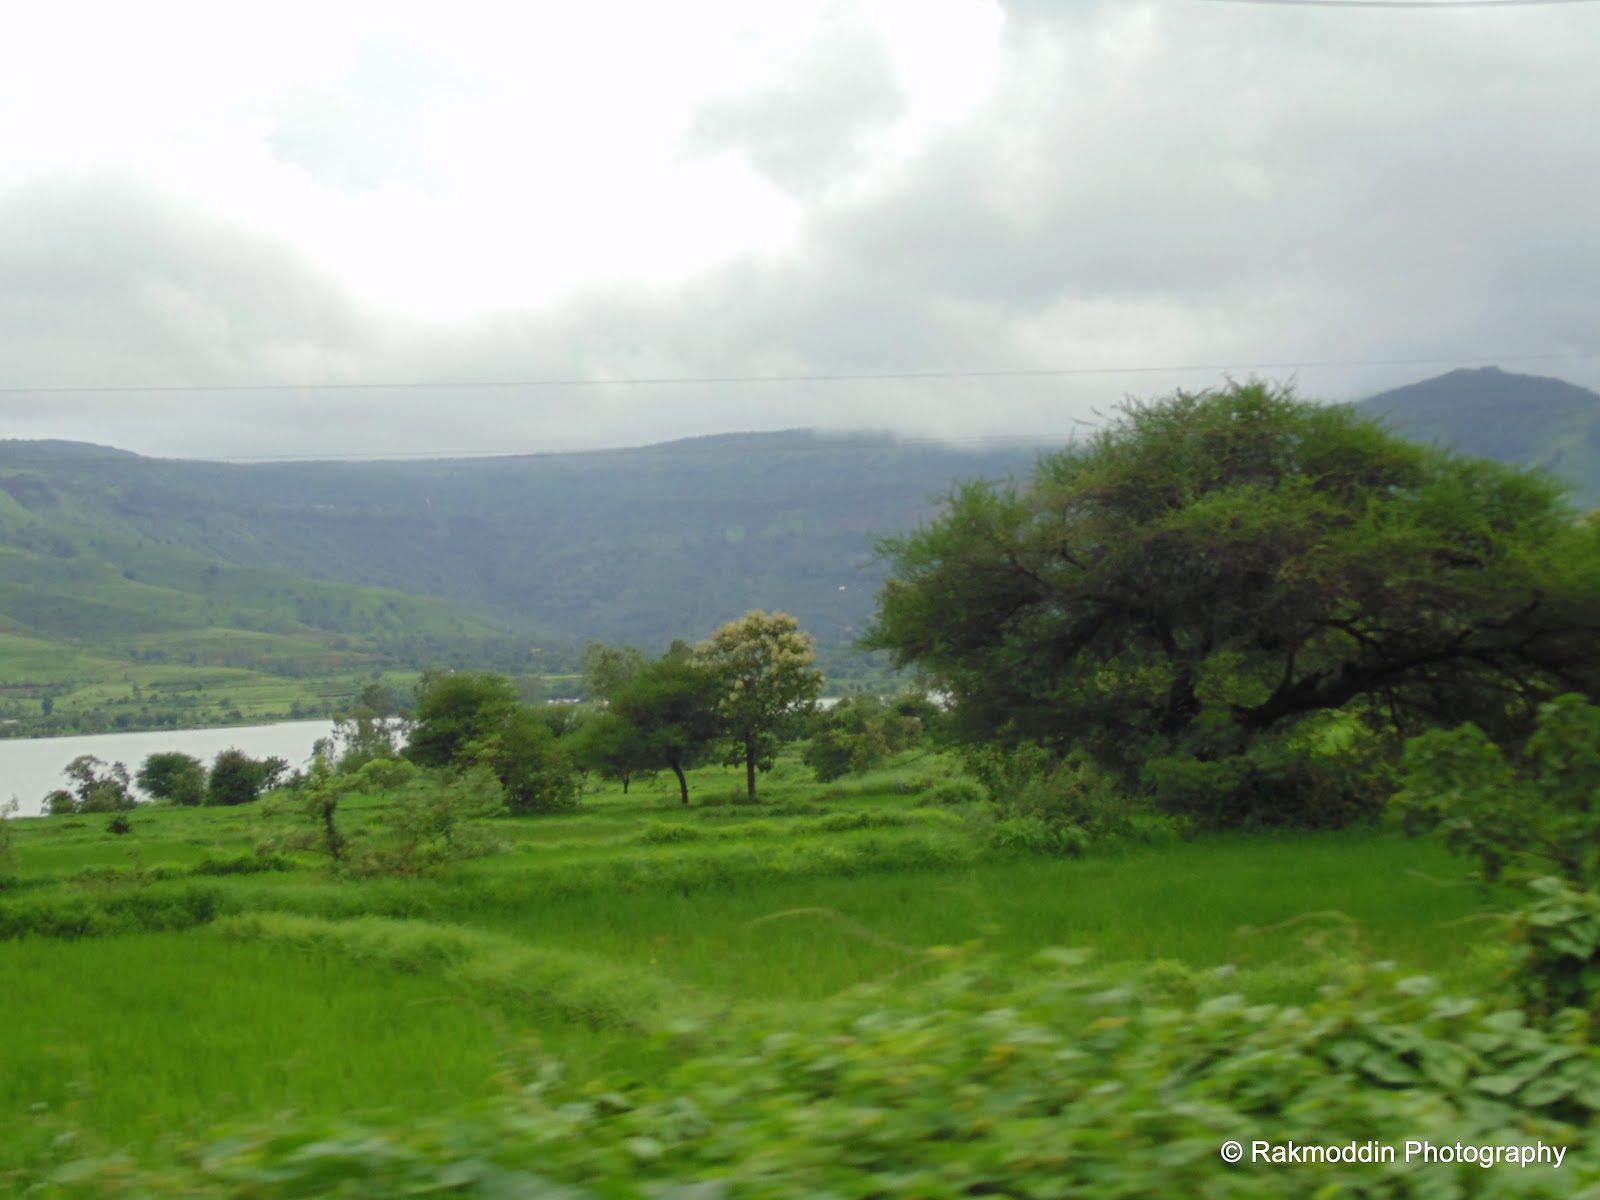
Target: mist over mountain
[[640, 545]]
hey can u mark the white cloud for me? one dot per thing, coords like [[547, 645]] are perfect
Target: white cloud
[[386, 192]]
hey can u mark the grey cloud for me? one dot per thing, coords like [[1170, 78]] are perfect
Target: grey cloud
[[105, 280], [815, 123], [1146, 185], [367, 129]]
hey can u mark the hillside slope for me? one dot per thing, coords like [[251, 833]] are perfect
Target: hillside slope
[[104, 630], [1529, 420], [641, 545]]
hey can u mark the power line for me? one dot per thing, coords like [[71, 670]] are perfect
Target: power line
[[738, 380]]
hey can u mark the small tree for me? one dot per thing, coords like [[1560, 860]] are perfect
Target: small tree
[[614, 747], [455, 711], [609, 669], [179, 778], [762, 663], [856, 735], [671, 707], [533, 767], [236, 778], [1533, 812], [99, 791]]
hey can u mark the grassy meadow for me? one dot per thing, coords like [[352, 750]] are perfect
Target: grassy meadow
[[157, 989]]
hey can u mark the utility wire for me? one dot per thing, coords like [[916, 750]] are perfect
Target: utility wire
[[726, 380]]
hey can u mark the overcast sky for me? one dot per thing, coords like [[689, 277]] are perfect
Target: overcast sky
[[198, 195]]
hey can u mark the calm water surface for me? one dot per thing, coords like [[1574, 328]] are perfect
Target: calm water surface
[[31, 768]]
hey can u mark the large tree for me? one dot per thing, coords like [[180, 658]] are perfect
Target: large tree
[[763, 662], [1217, 566]]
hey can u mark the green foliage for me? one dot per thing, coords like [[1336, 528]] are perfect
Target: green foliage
[[535, 770], [762, 663], [607, 670], [96, 790], [154, 908], [613, 747], [455, 710], [1556, 951], [1075, 1081], [669, 718], [434, 823], [236, 778], [180, 778], [1219, 567], [1533, 818], [956, 793], [1534, 812], [364, 734], [856, 735], [1275, 782], [241, 864]]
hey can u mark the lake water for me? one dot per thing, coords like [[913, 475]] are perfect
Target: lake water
[[31, 768]]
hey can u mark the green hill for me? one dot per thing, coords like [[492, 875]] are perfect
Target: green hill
[[100, 629], [640, 545], [1526, 419]]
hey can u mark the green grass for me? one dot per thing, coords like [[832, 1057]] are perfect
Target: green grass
[[601, 931], [148, 1036]]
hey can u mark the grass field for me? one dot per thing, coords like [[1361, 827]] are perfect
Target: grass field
[[209, 999]]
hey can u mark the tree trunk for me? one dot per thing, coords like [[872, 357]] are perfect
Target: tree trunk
[[750, 769], [683, 784]]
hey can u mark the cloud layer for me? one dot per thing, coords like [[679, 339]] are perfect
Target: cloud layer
[[849, 188]]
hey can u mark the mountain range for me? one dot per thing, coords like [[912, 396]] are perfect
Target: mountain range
[[294, 567]]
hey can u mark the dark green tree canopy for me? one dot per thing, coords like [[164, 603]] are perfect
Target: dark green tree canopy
[[670, 707], [169, 775], [1214, 566], [454, 710]]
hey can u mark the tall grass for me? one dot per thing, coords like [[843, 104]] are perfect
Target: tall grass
[[148, 1036]]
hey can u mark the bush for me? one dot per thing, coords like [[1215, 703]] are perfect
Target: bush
[[1071, 1082], [1530, 814], [241, 864], [534, 769], [236, 778], [956, 792], [179, 778], [1279, 783], [1035, 835], [1532, 819]]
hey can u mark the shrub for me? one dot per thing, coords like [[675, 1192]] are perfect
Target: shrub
[[236, 778], [179, 778], [1072, 1082], [956, 792], [1035, 835], [1277, 783], [1532, 819]]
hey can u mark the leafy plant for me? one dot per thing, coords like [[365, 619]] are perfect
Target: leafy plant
[[1531, 818], [1534, 812]]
